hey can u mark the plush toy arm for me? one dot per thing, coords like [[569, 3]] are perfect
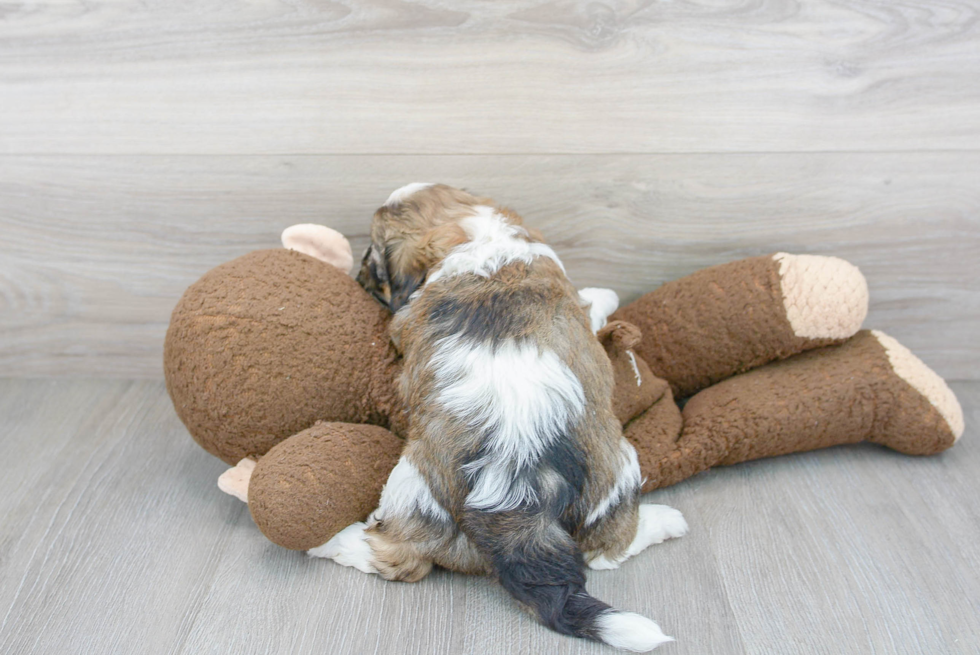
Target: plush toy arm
[[727, 319], [326, 244], [314, 484], [870, 388]]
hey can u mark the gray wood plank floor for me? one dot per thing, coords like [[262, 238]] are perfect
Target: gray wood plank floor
[[115, 539]]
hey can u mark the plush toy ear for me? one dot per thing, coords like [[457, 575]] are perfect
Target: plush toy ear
[[636, 387], [321, 242]]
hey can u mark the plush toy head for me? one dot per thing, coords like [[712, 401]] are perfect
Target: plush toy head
[[264, 346]]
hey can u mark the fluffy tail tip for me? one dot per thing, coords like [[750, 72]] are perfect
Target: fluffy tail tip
[[629, 631]]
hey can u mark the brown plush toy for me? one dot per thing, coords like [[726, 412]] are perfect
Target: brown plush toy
[[280, 364]]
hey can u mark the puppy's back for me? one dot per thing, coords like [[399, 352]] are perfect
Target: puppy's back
[[511, 397]]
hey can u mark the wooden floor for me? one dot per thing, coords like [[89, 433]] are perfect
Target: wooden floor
[[115, 539]]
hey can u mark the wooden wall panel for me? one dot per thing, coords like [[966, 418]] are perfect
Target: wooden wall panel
[[96, 250], [469, 77]]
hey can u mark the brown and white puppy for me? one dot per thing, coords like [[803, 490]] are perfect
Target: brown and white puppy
[[515, 465]]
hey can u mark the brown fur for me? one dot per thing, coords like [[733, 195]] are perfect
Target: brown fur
[[525, 302]]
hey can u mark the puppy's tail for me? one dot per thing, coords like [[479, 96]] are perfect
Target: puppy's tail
[[544, 570]]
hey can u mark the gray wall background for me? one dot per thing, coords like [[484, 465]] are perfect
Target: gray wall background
[[143, 144]]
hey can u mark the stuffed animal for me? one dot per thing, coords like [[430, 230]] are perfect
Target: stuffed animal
[[280, 364]]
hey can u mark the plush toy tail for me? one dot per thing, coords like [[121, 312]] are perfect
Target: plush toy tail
[[731, 318], [543, 569], [870, 388]]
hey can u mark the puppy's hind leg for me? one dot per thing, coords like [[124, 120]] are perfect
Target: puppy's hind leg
[[401, 537], [655, 524], [623, 527]]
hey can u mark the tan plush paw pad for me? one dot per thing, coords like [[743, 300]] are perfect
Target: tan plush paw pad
[[924, 380], [825, 297], [235, 480]]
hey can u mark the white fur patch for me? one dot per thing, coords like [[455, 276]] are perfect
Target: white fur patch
[[601, 302], [629, 631], [407, 492], [348, 547], [658, 523], [627, 480], [493, 243], [521, 397], [399, 195]]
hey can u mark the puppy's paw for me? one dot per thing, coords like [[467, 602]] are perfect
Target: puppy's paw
[[601, 303], [657, 524], [348, 547], [603, 563]]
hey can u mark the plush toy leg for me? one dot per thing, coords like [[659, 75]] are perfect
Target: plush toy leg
[[309, 487], [731, 318], [868, 389]]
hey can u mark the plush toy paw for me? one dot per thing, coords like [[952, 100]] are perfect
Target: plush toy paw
[[235, 480], [906, 428], [824, 297]]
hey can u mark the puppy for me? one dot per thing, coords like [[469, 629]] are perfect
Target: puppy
[[515, 465]]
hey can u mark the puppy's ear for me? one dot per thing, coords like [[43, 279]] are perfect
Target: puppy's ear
[[437, 242], [431, 249]]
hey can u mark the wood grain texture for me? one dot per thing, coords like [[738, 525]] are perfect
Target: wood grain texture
[[465, 77], [115, 538], [96, 250]]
